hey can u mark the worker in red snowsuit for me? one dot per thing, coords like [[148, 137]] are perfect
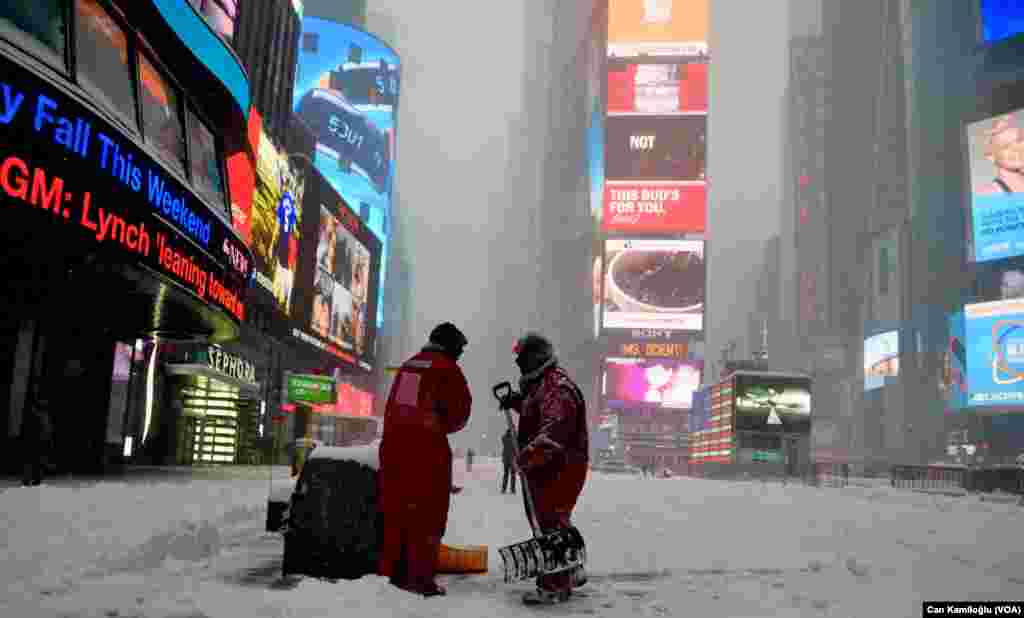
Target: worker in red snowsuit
[[554, 453], [429, 400]]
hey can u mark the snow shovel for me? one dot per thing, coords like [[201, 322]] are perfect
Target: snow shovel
[[545, 554]]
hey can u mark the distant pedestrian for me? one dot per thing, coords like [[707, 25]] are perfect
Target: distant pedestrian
[[508, 449], [469, 460], [37, 433]]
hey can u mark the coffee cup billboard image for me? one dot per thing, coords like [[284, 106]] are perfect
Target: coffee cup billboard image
[[654, 284]]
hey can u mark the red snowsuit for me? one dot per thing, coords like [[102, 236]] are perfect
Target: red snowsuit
[[554, 452], [429, 400]]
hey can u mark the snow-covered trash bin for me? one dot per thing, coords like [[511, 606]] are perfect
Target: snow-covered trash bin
[[333, 527]]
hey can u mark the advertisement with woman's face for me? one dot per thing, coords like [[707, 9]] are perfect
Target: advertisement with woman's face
[[996, 147]]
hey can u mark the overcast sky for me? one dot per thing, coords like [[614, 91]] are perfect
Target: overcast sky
[[748, 79]]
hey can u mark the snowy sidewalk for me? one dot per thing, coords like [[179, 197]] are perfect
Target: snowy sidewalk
[[657, 547], [55, 534]]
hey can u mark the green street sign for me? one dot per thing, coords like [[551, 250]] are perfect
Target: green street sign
[[769, 456], [305, 388]]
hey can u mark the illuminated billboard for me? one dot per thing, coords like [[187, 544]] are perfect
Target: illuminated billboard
[[657, 21], [656, 148], [1001, 19], [659, 85], [995, 353], [346, 92], [654, 284], [276, 217], [996, 159], [767, 402], [953, 380], [881, 359], [338, 279], [651, 382]]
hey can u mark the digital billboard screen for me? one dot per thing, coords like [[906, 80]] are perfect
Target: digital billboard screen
[[953, 381], [655, 207], [658, 86], [657, 21], [339, 277], [881, 359], [276, 218], [996, 159], [773, 403], [1001, 19], [654, 284], [652, 382], [346, 92], [995, 353], [656, 148]]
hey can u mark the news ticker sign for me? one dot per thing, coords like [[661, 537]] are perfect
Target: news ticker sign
[[77, 171]]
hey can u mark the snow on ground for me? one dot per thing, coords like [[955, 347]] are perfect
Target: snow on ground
[[665, 547]]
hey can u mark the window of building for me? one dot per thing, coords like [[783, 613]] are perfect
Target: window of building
[[205, 159], [102, 58], [884, 268], [39, 26], [161, 115]]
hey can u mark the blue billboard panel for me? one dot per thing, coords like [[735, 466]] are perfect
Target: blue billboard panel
[[1001, 19], [346, 92], [995, 353]]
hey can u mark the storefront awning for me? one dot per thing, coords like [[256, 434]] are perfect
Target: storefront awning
[[195, 369]]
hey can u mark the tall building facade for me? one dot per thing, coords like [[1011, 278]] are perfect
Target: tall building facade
[[884, 253]]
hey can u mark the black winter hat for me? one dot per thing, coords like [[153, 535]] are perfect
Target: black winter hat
[[533, 350], [448, 336]]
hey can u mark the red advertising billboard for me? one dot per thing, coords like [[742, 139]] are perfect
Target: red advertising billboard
[[655, 206], [664, 86]]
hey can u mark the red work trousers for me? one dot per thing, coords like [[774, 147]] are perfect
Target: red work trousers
[[408, 553], [554, 498]]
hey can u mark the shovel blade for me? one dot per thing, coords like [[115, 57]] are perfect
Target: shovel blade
[[554, 552]]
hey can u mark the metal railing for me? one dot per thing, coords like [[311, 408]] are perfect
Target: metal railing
[[930, 477]]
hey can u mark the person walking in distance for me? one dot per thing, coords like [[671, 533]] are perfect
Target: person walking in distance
[[469, 460], [554, 453], [37, 433], [508, 449], [429, 400]]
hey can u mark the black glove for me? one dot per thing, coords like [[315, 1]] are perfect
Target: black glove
[[511, 402]]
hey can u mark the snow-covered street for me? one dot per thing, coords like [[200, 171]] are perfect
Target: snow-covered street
[[667, 547]]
